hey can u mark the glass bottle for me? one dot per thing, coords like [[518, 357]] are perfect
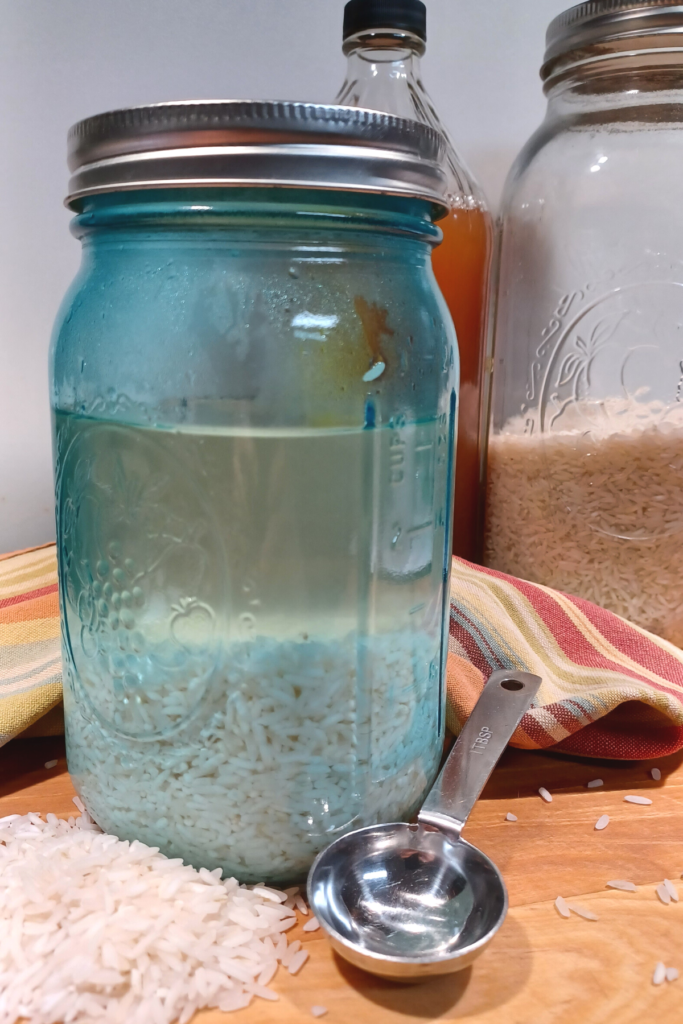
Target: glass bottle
[[254, 394], [585, 478], [384, 41]]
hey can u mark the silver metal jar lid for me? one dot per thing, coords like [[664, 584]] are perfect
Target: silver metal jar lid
[[613, 26], [242, 142]]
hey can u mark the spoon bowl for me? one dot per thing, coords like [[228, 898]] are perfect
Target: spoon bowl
[[408, 901], [405, 901]]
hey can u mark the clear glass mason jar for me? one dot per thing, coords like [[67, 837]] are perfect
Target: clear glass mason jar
[[254, 389], [585, 463]]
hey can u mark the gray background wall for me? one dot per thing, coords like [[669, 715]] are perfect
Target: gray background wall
[[61, 60]]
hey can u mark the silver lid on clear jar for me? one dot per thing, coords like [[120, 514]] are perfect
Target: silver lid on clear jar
[[255, 143], [598, 30]]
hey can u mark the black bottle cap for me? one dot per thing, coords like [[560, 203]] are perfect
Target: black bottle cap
[[402, 15]]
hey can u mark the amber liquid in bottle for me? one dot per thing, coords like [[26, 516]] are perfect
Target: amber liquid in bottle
[[461, 266], [383, 74]]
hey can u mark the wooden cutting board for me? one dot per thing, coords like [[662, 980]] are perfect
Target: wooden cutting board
[[541, 968]]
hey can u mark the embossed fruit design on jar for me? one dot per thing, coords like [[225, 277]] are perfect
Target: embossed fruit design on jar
[[585, 459]]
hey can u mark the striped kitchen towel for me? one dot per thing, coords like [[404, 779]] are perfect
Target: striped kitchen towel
[[610, 689], [30, 659]]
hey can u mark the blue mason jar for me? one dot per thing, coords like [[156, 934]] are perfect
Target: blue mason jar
[[254, 383]]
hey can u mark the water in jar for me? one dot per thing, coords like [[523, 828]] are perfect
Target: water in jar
[[252, 630]]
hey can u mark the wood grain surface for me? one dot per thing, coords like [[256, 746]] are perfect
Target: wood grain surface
[[541, 968]]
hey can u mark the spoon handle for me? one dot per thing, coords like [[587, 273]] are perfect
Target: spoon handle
[[486, 733]]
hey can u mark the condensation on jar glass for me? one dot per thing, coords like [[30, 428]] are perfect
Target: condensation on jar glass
[[254, 390], [585, 459]]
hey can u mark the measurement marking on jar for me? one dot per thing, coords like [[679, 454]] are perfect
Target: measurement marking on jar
[[416, 608], [397, 445], [421, 526]]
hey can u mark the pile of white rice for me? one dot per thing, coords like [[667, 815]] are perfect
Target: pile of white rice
[[296, 742], [92, 928], [596, 511]]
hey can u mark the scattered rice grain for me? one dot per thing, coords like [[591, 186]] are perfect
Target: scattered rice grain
[[267, 893], [264, 993], [659, 974], [656, 774], [318, 1011], [510, 816], [561, 907], [602, 822], [293, 948], [51, 764], [300, 904], [297, 961], [545, 795], [672, 974], [312, 925], [637, 800], [582, 911], [671, 889], [663, 893], [267, 974], [623, 884], [594, 783]]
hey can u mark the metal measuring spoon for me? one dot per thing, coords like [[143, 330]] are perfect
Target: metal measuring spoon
[[407, 901]]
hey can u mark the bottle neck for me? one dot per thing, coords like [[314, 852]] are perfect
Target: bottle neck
[[383, 73]]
